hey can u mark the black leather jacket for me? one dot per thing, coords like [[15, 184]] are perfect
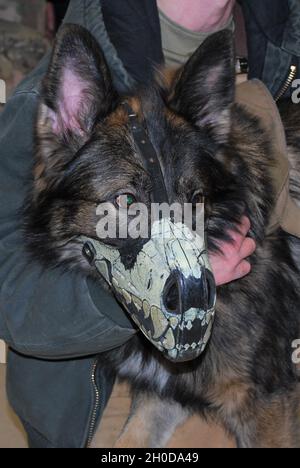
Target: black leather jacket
[[273, 29]]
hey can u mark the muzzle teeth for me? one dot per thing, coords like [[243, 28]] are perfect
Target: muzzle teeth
[[137, 303], [207, 333], [127, 296], [174, 321], [160, 323], [146, 309], [188, 346], [169, 341]]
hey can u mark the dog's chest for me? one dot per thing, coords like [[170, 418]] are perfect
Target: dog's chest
[[136, 369]]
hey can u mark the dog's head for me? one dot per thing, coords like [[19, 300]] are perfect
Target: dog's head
[[87, 159]]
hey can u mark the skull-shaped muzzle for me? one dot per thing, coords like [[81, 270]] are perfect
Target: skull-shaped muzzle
[[170, 291]]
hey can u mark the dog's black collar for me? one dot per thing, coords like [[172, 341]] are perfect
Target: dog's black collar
[[149, 157]]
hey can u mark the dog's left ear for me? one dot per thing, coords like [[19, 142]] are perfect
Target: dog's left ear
[[205, 88], [77, 89]]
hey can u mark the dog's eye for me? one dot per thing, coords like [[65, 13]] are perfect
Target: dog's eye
[[125, 201], [198, 198]]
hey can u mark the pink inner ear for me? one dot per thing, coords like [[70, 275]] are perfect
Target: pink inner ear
[[71, 103]]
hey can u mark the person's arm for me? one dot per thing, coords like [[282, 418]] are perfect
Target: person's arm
[[44, 313]]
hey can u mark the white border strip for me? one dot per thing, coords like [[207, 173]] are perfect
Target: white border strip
[[2, 92], [2, 352]]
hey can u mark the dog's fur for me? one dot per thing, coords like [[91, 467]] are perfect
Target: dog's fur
[[85, 154]]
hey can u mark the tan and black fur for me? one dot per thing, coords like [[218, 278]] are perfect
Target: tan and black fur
[[246, 380]]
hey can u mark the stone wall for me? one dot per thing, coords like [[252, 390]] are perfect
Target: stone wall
[[28, 12], [22, 42]]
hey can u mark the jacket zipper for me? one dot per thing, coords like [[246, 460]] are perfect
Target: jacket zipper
[[288, 82], [96, 404]]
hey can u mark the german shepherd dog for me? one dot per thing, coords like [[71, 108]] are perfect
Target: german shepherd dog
[[246, 379]]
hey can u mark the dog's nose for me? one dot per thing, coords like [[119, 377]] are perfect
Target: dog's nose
[[181, 294]]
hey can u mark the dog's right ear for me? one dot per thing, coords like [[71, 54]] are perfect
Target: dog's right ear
[[77, 90], [205, 88]]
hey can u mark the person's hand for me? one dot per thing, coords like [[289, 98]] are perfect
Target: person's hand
[[50, 21], [232, 264]]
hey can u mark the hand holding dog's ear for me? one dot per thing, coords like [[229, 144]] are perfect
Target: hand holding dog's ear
[[205, 89], [77, 89]]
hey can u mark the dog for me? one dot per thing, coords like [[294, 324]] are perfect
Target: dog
[[210, 147]]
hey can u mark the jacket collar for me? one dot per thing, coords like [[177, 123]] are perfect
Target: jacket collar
[[88, 13]]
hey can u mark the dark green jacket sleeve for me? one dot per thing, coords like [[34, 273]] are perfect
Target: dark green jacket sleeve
[[43, 313]]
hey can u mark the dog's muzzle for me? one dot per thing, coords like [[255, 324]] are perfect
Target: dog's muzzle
[[170, 292]]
